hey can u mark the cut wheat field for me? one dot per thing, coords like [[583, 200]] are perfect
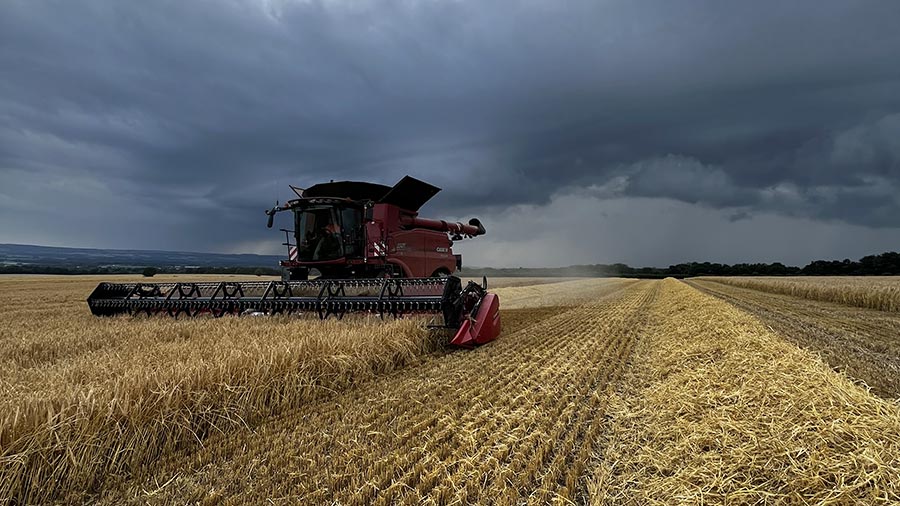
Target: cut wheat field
[[599, 391]]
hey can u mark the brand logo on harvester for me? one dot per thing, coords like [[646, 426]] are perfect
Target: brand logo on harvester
[[441, 250]]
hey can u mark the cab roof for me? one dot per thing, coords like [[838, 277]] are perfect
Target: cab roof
[[409, 193]]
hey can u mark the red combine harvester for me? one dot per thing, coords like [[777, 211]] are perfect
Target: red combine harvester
[[363, 230], [372, 251]]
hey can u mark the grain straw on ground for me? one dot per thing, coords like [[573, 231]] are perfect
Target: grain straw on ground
[[873, 292], [718, 410]]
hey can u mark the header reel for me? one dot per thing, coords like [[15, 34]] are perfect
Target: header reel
[[471, 310]]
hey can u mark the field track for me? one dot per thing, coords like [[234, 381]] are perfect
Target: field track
[[864, 343]]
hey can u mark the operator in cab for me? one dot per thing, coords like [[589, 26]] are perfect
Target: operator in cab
[[329, 245]]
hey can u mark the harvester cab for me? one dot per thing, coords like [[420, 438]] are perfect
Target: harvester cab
[[352, 229], [373, 254]]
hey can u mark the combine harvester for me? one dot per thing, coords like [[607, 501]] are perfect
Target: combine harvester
[[372, 251]]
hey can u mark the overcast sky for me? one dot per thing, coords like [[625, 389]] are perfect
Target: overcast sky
[[599, 131]]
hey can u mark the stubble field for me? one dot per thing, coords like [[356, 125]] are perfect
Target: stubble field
[[599, 391]]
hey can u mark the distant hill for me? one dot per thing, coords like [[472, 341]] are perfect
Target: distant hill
[[23, 257]]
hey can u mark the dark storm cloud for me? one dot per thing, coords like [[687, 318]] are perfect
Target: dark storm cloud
[[173, 124]]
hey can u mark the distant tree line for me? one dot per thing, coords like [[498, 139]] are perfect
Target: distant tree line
[[885, 264]]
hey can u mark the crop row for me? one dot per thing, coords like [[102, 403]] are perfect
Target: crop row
[[861, 342], [867, 292], [718, 409]]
